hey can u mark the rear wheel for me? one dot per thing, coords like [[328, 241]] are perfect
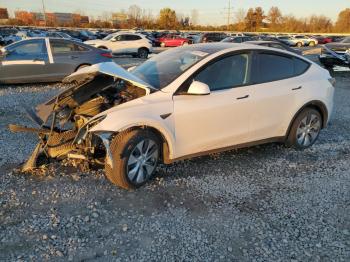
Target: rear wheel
[[185, 43], [162, 44], [305, 129], [135, 157], [312, 43], [143, 53], [299, 44]]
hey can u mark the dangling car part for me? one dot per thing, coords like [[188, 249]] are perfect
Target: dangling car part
[[93, 90]]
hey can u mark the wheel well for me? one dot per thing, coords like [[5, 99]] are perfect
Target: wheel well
[[143, 48], [317, 105], [164, 143], [102, 47], [85, 64]]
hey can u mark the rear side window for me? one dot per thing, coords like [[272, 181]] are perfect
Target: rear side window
[[132, 37], [300, 66], [274, 67], [58, 46]]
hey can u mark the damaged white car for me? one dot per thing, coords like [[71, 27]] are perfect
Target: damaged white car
[[183, 102]]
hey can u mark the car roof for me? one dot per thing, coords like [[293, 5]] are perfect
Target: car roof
[[263, 42]]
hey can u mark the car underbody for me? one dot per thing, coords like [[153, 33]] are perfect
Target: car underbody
[[63, 121]]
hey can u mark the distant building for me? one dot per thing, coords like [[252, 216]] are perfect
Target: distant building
[[4, 15]]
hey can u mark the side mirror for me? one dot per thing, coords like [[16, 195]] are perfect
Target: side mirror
[[198, 88]]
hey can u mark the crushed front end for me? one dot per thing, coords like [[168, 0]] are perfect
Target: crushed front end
[[63, 122]]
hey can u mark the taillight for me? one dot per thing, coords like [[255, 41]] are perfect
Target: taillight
[[108, 55]]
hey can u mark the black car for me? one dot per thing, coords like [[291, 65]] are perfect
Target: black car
[[336, 54], [211, 37]]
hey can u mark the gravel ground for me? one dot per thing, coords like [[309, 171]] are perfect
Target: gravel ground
[[265, 203]]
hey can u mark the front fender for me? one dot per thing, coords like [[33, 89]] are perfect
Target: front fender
[[116, 122]]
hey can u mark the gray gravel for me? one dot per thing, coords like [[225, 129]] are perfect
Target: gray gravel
[[265, 203]]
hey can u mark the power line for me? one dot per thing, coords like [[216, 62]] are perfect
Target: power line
[[228, 12]]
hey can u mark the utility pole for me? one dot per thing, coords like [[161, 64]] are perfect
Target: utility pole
[[42, 1], [228, 12]]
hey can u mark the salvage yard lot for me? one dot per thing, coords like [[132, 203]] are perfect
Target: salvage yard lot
[[265, 203]]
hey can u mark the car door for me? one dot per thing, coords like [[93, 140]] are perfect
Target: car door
[[220, 119], [119, 44], [67, 57], [25, 61], [273, 94], [133, 43]]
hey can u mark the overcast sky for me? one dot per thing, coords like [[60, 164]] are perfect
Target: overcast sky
[[210, 12]]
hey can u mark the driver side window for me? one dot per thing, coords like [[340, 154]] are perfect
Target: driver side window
[[228, 72]]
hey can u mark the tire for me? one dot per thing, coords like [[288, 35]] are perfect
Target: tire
[[312, 43], [305, 129], [102, 47], [142, 53], [81, 67], [299, 44], [126, 157], [185, 43], [162, 44]]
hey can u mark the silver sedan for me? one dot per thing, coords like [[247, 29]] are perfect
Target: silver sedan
[[46, 59]]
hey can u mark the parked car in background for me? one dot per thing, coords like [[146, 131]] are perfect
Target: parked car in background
[[275, 44], [46, 59], [336, 54], [77, 34], [323, 39], [211, 37], [186, 102], [290, 41], [124, 43], [58, 34], [308, 41], [171, 40], [237, 39]]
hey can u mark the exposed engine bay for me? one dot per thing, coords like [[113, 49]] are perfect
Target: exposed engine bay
[[60, 119]]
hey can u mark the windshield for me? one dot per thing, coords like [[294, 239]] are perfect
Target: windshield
[[64, 35], [165, 67], [108, 37]]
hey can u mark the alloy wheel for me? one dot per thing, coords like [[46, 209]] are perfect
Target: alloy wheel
[[308, 130], [142, 161]]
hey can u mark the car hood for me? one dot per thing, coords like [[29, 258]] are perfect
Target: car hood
[[107, 68], [79, 90]]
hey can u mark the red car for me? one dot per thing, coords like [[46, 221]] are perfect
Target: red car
[[172, 40], [324, 39]]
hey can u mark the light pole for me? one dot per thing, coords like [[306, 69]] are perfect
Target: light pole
[[42, 1]]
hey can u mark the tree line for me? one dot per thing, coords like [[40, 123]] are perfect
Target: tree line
[[251, 20]]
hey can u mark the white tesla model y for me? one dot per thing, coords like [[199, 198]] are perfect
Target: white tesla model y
[[194, 100]]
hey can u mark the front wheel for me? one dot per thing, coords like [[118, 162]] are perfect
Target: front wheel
[[305, 129], [135, 155], [312, 43], [299, 44]]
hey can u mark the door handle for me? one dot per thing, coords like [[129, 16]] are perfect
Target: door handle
[[74, 57], [243, 97], [297, 88]]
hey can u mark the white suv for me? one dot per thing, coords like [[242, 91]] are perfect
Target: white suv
[[182, 103], [124, 43]]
